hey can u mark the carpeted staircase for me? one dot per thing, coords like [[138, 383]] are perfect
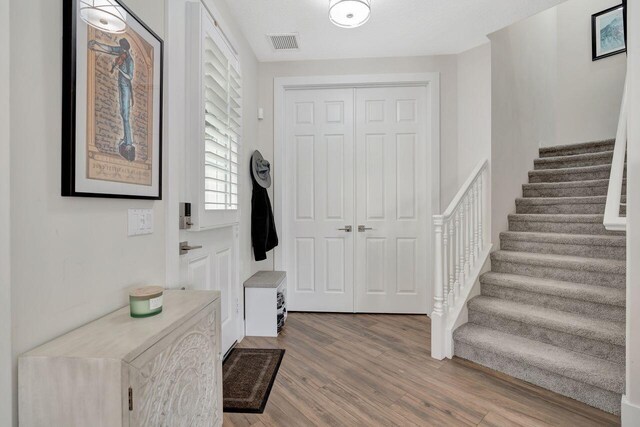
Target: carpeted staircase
[[552, 308]]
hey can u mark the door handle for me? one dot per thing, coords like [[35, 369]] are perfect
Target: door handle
[[185, 248], [362, 228], [347, 229]]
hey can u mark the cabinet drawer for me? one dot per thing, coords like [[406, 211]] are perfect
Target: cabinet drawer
[[178, 381]]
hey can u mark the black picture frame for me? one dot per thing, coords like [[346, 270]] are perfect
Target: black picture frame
[[594, 32], [69, 106]]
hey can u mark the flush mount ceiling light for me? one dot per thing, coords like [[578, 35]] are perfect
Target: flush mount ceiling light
[[349, 13], [105, 15]]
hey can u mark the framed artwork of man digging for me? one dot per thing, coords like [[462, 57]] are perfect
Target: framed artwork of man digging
[[112, 102]]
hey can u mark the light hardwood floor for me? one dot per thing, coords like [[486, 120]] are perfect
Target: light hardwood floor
[[375, 370]]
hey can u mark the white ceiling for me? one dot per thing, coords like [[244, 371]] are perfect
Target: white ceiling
[[396, 27]]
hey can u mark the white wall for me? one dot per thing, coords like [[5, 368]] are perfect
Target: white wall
[[474, 109], [589, 92], [546, 91], [71, 259], [631, 400], [523, 115], [6, 402]]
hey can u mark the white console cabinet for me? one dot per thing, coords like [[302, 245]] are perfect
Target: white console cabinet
[[164, 370]]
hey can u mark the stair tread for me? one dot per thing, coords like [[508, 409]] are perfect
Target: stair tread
[[569, 157], [565, 161], [580, 367], [580, 156], [571, 184], [571, 170], [549, 318], [583, 218], [563, 261], [565, 238], [605, 144], [600, 200], [578, 291]]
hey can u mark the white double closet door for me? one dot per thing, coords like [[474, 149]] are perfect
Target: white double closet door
[[357, 199]]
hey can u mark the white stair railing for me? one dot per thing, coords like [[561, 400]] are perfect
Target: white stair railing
[[612, 218], [459, 253]]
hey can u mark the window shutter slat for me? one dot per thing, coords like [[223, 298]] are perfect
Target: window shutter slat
[[222, 92]]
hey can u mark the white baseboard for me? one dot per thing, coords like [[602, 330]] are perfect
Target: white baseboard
[[630, 413]]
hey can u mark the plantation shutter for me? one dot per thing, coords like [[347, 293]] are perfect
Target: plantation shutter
[[222, 95]]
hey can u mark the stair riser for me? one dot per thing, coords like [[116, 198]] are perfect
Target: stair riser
[[586, 393], [588, 251], [562, 176], [568, 208], [596, 278], [570, 151], [600, 190], [595, 348], [562, 227], [586, 308], [540, 164]]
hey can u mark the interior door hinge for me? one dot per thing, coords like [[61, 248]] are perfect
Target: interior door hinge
[[130, 399]]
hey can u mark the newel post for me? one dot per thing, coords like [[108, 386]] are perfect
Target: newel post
[[437, 317]]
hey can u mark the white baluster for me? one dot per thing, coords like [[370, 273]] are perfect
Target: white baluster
[[472, 225], [445, 266], [460, 249], [438, 293], [476, 247], [452, 256], [480, 213], [467, 231]]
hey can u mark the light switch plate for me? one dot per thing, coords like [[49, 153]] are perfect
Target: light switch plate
[[140, 221]]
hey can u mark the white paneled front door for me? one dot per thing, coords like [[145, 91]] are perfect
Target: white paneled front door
[[392, 200], [213, 266], [357, 199], [320, 195]]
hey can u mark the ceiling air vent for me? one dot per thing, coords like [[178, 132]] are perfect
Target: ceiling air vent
[[284, 41]]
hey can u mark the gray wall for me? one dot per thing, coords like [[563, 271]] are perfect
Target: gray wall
[[71, 258]]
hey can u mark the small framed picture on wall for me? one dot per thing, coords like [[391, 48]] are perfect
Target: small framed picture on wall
[[111, 102], [608, 32]]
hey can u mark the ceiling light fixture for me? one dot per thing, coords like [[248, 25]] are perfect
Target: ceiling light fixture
[[349, 13], [105, 15]]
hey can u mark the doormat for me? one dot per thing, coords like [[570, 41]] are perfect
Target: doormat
[[248, 375]]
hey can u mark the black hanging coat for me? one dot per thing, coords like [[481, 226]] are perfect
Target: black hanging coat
[[263, 226]]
